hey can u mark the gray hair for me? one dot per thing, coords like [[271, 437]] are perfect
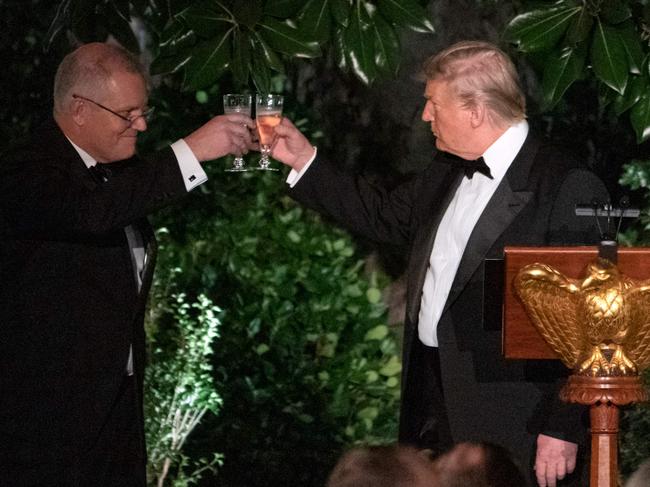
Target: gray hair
[[89, 68], [480, 73]]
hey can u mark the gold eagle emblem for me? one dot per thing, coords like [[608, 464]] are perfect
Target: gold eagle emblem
[[599, 326]]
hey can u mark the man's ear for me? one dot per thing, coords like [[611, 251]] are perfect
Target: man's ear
[[79, 111], [477, 115]]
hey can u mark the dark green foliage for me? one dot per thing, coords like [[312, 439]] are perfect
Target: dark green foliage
[[305, 363], [607, 38]]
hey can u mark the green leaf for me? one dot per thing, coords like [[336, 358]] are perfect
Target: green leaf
[[123, 8], [260, 72], [340, 10], [241, 58], [207, 20], [209, 59], [609, 58], [632, 45], [539, 30], [340, 49], [268, 54], [287, 39], [393, 367], [359, 42], [614, 11], [640, 118], [406, 13], [169, 64], [315, 19], [283, 8], [580, 28], [247, 13], [387, 48], [559, 75], [379, 332], [175, 37], [374, 295], [635, 89]]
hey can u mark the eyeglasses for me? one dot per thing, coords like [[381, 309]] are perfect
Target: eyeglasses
[[146, 113]]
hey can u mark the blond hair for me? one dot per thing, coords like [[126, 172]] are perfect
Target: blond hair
[[480, 73]]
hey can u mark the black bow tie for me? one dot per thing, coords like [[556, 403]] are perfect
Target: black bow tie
[[477, 165], [100, 172]]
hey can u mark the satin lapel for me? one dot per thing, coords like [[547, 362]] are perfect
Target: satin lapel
[[424, 240], [151, 249], [502, 209], [508, 200]]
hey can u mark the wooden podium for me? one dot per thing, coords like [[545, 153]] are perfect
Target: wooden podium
[[604, 395]]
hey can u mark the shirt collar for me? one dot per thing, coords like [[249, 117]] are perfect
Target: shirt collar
[[89, 160], [503, 151]]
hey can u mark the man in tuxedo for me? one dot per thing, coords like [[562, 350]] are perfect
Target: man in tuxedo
[[493, 182], [76, 261]]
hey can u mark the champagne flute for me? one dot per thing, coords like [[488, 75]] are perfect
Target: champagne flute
[[237, 103], [268, 114]]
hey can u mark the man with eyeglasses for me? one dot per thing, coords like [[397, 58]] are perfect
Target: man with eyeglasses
[[76, 262]]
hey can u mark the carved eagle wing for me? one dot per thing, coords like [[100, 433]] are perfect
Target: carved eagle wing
[[638, 305], [552, 301]]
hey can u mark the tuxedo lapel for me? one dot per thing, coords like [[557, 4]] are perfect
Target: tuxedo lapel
[[424, 240], [507, 201]]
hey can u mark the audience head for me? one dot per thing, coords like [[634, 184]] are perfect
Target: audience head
[[382, 466], [477, 465]]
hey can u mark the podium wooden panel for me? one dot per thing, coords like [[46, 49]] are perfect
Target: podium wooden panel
[[604, 395], [520, 338]]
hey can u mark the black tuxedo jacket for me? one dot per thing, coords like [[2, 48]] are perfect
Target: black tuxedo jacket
[[485, 397], [70, 309]]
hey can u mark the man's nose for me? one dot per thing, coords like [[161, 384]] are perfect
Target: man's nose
[[139, 124]]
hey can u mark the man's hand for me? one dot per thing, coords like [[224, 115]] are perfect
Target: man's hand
[[225, 134], [290, 146], [555, 459]]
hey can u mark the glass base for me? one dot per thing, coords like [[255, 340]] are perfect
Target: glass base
[[266, 169], [237, 169]]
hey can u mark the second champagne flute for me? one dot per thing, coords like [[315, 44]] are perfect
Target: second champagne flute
[[237, 103], [268, 114]]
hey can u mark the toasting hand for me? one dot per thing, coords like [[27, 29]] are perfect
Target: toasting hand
[[291, 147]]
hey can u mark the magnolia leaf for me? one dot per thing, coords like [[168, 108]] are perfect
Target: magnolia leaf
[[636, 87], [632, 45], [340, 10], [269, 55], [283, 8], [540, 30], [640, 116], [580, 28], [206, 21], [247, 13], [241, 58], [316, 19], [559, 75], [386, 45], [406, 13], [260, 72], [60, 22], [609, 58], [614, 11], [209, 59], [359, 44], [287, 39]]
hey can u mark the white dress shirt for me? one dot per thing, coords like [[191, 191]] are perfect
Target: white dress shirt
[[456, 226]]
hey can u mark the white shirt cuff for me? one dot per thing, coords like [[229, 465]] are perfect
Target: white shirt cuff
[[294, 176], [193, 173]]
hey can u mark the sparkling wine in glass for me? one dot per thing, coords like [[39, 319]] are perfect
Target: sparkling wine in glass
[[237, 103], [268, 114]]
